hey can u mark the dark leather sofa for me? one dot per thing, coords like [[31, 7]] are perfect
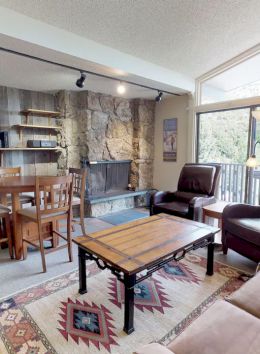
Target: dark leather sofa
[[241, 230], [197, 187]]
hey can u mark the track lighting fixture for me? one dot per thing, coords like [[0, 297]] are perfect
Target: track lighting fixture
[[83, 73], [121, 89], [159, 97], [81, 81]]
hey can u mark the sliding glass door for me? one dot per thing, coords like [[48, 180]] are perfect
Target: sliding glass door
[[226, 137], [254, 176]]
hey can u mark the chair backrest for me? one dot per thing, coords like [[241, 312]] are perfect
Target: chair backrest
[[10, 171], [53, 194], [79, 181], [200, 178]]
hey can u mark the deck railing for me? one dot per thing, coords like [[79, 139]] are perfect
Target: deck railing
[[256, 188], [233, 184]]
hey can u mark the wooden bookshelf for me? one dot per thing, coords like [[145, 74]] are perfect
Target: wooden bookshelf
[[40, 113], [27, 148], [20, 127], [34, 126], [30, 114], [3, 150]]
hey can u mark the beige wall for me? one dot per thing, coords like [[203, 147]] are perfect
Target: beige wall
[[166, 174]]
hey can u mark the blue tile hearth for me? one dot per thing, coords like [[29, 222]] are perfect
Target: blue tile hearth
[[124, 216]]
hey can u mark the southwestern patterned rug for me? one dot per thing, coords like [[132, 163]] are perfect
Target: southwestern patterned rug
[[54, 318]]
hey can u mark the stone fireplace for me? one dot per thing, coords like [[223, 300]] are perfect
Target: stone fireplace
[[102, 128], [106, 178]]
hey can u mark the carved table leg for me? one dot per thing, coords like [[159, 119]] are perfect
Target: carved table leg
[[210, 258], [129, 281], [82, 271]]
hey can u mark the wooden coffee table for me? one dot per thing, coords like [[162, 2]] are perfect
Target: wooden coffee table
[[134, 251]]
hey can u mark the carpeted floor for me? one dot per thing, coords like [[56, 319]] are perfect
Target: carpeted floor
[[53, 318], [18, 275]]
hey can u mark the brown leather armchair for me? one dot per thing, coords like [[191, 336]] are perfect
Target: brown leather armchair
[[197, 187], [241, 230]]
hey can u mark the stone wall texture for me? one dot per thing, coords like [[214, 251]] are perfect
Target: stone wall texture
[[102, 127]]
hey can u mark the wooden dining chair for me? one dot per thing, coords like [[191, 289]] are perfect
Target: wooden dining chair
[[11, 172], [53, 196], [79, 187], [5, 229]]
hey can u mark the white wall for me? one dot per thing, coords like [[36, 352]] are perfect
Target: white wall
[[166, 174]]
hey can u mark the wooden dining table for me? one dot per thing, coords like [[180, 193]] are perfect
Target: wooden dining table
[[14, 186]]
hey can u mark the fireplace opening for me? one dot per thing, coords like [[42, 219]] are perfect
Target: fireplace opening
[[106, 178]]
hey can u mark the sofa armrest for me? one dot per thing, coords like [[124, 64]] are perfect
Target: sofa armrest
[[161, 197], [153, 348], [241, 211], [201, 201], [196, 204]]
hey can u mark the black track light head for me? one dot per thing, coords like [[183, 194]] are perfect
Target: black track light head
[[81, 81], [159, 97]]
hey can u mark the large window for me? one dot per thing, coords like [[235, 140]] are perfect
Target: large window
[[227, 126], [225, 137], [239, 81], [256, 137]]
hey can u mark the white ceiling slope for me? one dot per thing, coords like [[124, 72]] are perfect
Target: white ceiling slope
[[187, 36]]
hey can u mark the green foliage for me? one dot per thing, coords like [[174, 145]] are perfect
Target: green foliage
[[224, 136]]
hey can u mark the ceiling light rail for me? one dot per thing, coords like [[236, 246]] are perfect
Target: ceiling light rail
[[83, 73]]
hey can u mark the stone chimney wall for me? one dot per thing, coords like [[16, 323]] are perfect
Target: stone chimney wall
[[102, 127]]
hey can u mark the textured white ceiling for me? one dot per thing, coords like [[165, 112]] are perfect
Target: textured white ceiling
[[189, 36]]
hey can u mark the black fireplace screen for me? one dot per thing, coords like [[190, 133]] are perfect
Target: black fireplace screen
[[106, 177]]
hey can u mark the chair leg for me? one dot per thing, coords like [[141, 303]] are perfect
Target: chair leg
[[54, 241], [9, 235], [224, 242], [25, 248], [24, 244], [2, 228], [42, 248], [225, 249], [82, 219], [69, 239]]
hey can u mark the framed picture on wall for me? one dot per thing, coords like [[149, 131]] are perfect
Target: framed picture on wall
[[170, 139]]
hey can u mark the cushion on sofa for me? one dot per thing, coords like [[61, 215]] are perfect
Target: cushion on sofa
[[176, 208], [186, 197], [153, 348], [223, 328], [248, 296], [244, 228], [196, 179]]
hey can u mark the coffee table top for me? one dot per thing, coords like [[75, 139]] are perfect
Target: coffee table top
[[139, 244]]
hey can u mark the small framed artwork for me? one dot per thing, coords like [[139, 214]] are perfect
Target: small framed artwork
[[170, 139]]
